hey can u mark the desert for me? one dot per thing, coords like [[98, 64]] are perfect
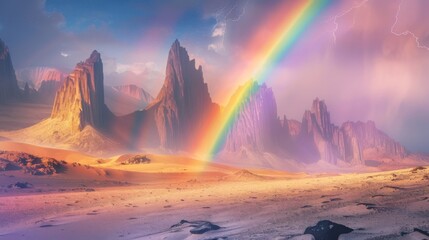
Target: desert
[[110, 200], [214, 120]]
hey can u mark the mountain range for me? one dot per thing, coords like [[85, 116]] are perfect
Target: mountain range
[[183, 108]]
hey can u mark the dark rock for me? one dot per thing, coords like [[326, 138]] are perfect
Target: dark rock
[[46, 225], [419, 168], [327, 230], [30, 163], [21, 185], [197, 227], [6, 165], [133, 159], [9, 90], [421, 232]]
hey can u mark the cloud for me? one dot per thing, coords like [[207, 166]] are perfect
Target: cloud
[[368, 74], [150, 80], [216, 47], [219, 30], [64, 54], [230, 11], [137, 67], [36, 36]]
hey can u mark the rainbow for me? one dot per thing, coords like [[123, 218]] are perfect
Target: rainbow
[[286, 26]]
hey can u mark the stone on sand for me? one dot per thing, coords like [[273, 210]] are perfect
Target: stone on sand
[[327, 230]]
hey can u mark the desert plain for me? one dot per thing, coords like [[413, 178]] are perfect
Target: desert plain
[[107, 198]]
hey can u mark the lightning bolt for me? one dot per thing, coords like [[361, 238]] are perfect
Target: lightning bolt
[[242, 12], [406, 32], [342, 14], [392, 28], [226, 14]]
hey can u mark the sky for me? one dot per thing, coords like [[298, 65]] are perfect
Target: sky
[[368, 59]]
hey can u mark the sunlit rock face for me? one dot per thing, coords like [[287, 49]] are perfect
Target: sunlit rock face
[[256, 126], [183, 105], [80, 100], [9, 90]]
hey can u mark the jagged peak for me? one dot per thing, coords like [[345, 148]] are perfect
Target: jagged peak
[[176, 47], [319, 104], [181, 54], [176, 43], [94, 57]]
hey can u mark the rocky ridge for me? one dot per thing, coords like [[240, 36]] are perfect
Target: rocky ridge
[[184, 104], [256, 126], [36, 76]]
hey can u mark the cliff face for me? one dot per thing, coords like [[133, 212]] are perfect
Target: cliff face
[[364, 140], [353, 143], [36, 76], [135, 92], [80, 100], [183, 104], [256, 126], [126, 99], [9, 90], [314, 141]]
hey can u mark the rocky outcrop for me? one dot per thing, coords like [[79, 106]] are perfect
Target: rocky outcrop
[[31, 164], [126, 99], [314, 141], [363, 141], [37, 75], [256, 126], [134, 91], [9, 90], [353, 142], [326, 229], [80, 100], [183, 105]]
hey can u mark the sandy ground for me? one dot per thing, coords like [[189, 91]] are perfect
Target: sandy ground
[[103, 199], [20, 115]]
